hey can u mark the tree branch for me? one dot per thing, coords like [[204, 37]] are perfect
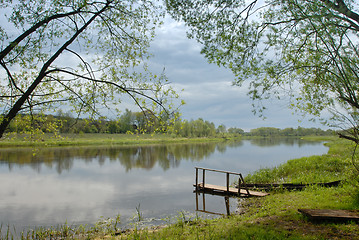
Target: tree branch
[[129, 91], [14, 43], [342, 8], [17, 106], [356, 140]]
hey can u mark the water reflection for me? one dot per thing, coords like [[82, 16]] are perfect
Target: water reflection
[[267, 142], [146, 157], [211, 204], [131, 157]]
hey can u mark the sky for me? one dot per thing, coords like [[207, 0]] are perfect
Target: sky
[[207, 88]]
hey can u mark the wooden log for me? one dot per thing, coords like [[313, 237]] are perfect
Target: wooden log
[[289, 186]]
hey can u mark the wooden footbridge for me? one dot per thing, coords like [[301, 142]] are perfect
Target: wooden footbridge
[[241, 191]]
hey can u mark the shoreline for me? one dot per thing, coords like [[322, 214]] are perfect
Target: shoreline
[[275, 216], [104, 139], [66, 140]]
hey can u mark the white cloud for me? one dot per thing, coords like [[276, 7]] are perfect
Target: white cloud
[[208, 90]]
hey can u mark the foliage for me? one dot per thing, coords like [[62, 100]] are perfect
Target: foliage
[[288, 132], [128, 122], [34, 127], [194, 128], [82, 55], [235, 131], [302, 50]]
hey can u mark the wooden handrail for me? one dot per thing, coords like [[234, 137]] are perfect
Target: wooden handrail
[[214, 170], [240, 178]]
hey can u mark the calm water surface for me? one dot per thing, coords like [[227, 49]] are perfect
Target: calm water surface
[[48, 187]]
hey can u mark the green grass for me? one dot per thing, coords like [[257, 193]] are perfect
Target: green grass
[[89, 139], [272, 217]]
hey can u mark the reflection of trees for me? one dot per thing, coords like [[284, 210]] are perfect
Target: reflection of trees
[[36, 158], [267, 142], [222, 147], [167, 156], [235, 144], [62, 159]]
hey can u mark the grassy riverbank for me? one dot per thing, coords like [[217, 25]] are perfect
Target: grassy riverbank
[[276, 216], [89, 139], [271, 217]]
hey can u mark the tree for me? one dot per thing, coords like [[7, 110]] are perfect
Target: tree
[[235, 131], [79, 53], [221, 129], [304, 49]]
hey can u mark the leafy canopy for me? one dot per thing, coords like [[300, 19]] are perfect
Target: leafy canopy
[[80, 53], [304, 49]]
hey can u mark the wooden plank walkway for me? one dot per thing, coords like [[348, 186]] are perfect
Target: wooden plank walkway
[[330, 214], [241, 190], [231, 190]]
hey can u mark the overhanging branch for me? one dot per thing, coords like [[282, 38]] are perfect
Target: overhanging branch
[[42, 74]]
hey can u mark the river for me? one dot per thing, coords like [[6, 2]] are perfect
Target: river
[[79, 185]]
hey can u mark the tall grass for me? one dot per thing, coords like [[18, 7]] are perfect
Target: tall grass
[[104, 227]]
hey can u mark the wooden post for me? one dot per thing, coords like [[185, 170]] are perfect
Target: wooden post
[[204, 202], [226, 202], [196, 179], [196, 200], [227, 181], [239, 186], [203, 177], [244, 184]]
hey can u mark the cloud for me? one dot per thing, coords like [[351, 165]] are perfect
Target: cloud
[[208, 90]]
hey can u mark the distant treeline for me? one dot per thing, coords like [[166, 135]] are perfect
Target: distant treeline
[[143, 122], [129, 122], [288, 132]]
